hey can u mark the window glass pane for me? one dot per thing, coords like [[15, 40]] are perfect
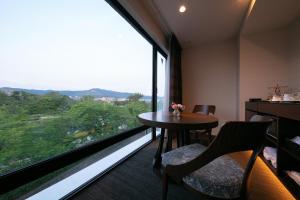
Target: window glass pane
[[161, 77], [40, 188], [72, 72]]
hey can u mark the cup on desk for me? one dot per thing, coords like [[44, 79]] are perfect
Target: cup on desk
[[288, 97], [276, 98]]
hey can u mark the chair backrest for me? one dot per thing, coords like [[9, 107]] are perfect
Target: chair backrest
[[205, 109], [241, 136], [233, 137]]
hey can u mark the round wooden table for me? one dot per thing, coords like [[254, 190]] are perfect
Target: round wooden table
[[166, 120]]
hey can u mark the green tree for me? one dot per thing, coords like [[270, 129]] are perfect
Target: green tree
[[135, 97], [36, 127]]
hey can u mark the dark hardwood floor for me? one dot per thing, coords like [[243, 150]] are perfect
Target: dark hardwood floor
[[134, 179]]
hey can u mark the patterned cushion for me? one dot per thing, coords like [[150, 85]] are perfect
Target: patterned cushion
[[182, 155], [221, 178]]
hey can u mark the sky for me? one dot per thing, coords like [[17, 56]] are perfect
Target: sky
[[71, 45]]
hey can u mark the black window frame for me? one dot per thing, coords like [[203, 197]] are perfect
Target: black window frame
[[19, 177]]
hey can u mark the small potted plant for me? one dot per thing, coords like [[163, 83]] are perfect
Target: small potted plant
[[177, 109]]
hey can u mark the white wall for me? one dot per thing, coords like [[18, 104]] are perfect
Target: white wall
[[263, 63], [294, 60], [228, 73], [210, 75]]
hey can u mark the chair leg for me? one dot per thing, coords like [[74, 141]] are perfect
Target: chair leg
[[164, 186], [157, 157], [209, 136], [178, 137]]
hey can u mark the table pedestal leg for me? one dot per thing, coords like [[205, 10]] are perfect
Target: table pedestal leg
[[182, 137], [178, 137], [157, 157], [186, 137], [169, 141], [209, 136]]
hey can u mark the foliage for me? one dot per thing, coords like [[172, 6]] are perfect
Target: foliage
[[135, 97], [36, 127]]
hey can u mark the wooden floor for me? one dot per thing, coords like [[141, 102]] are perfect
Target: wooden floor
[[134, 179]]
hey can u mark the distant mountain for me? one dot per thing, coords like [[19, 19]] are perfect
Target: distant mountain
[[95, 92]]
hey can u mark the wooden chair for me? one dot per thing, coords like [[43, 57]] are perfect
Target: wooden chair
[[208, 170], [206, 110]]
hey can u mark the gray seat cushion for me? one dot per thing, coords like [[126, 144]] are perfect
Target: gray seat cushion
[[182, 155], [221, 178]]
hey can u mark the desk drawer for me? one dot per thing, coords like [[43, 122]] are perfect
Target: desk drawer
[[289, 111], [251, 106]]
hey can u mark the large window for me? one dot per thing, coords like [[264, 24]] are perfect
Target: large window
[[71, 72], [161, 79]]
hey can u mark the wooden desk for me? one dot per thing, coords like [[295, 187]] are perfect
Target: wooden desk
[[286, 125], [166, 120]]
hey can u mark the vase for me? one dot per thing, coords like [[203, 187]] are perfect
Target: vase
[[176, 113]]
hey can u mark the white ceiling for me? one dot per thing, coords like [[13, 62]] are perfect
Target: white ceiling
[[204, 21], [268, 15]]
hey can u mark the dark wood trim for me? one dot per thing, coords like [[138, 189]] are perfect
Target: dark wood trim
[[154, 79], [154, 86], [25, 175]]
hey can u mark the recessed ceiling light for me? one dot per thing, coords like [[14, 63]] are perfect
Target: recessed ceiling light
[[182, 8]]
